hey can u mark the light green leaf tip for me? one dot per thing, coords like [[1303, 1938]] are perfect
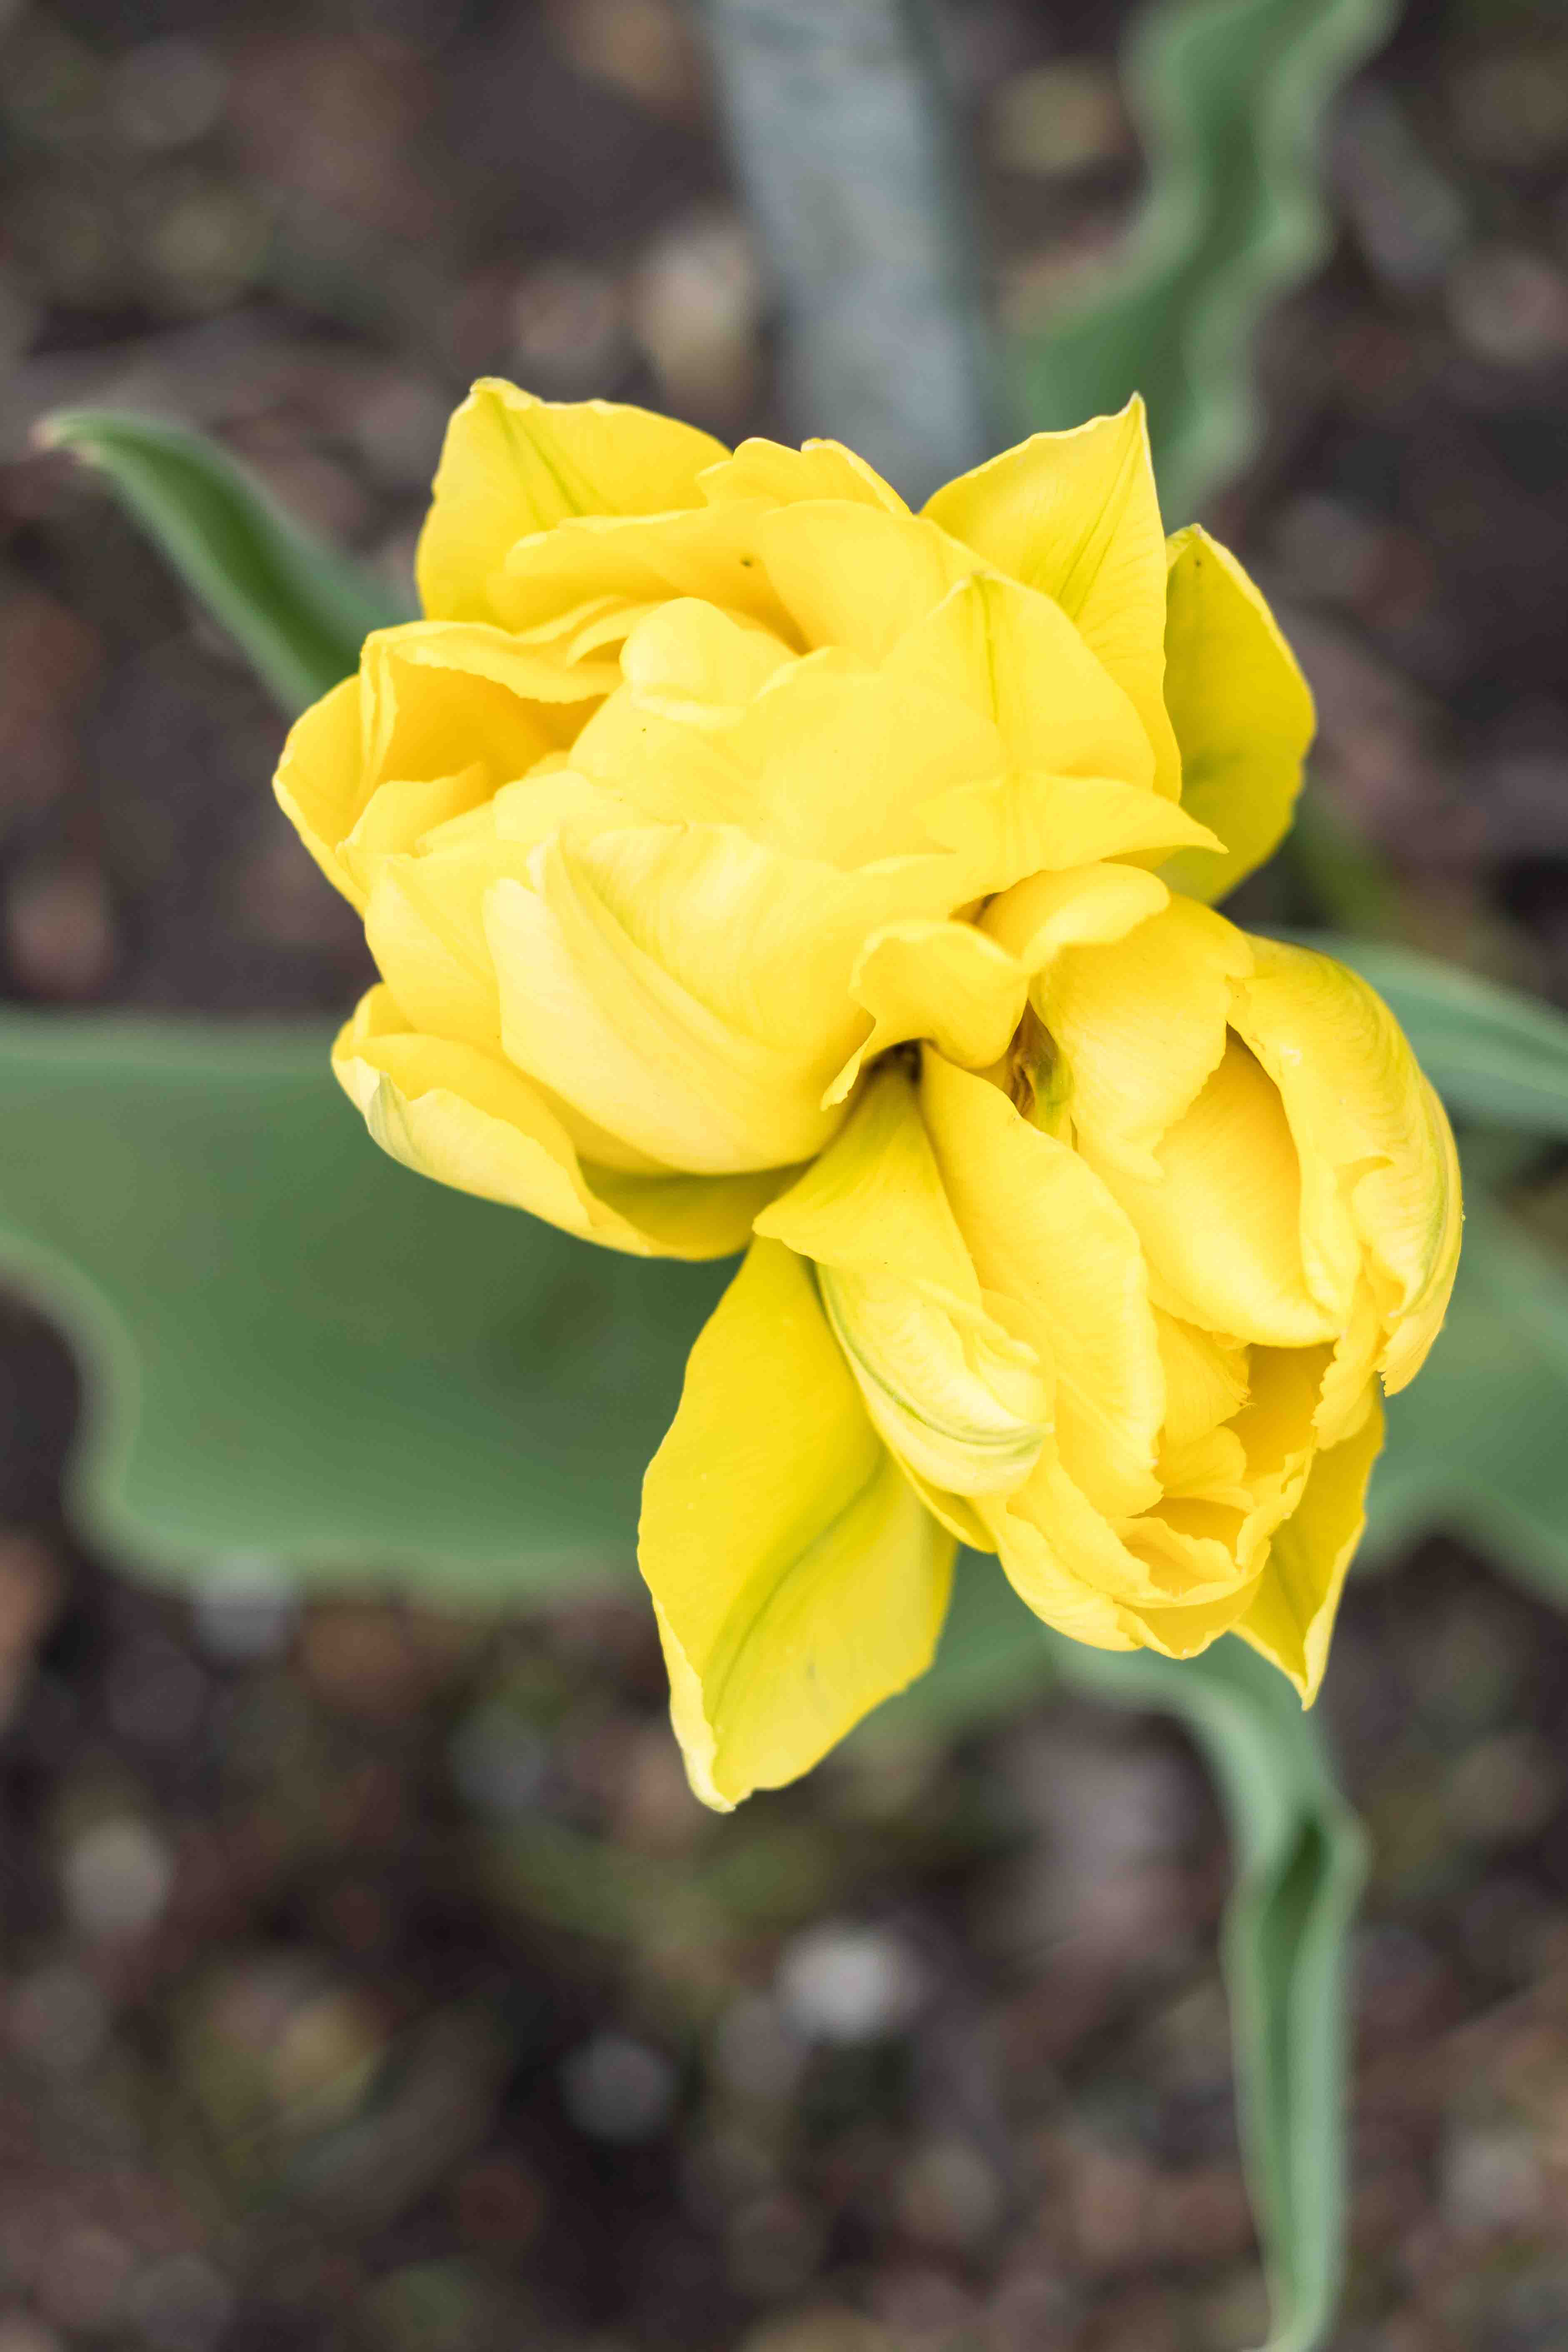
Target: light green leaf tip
[[1229, 95], [298, 608]]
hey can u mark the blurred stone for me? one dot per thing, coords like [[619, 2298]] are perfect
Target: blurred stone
[[59, 931], [776, 2246], [1059, 118], [30, 1586], [1108, 2209], [180, 2305], [81, 2283], [696, 303], [568, 330], [361, 1660], [644, 47], [155, 1695], [754, 2053], [500, 2202], [618, 2090], [48, 659], [1236, 2311], [205, 237], [1329, 550], [167, 93], [1503, 1790], [1509, 305], [499, 1760], [1490, 2179], [1411, 221], [399, 429], [246, 1608], [117, 1876], [828, 2328], [848, 1984], [949, 2197], [1510, 107], [18, 2333], [57, 2018]]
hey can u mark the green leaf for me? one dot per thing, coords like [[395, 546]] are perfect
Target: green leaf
[[1300, 1862], [298, 1350], [1476, 1446], [297, 607], [1230, 96], [1492, 1053]]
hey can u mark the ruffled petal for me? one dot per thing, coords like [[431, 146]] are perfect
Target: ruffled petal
[[1292, 1619], [798, 1578], [1241, 709], [941, 981], [1077, 515], [513, 464]]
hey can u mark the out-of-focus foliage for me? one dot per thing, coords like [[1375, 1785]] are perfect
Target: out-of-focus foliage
[[1230, 95], [304, 1353], [296, 607]]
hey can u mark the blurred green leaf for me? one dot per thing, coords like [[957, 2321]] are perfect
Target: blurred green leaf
[[301, 1351], [296, 606], [1230, 96], [1477, 1445], [1300, 1860], [1492, 1053]]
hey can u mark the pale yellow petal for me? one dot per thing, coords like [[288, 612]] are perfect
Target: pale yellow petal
[[1292, 1619], [798, 1578], [691, 662], [1076, 514], [1375, 1148], [1242, 712], [852, 574], [397, 818], [623, 564], [819, 470], [1222, 1225], [514, 465], [592, 1016], [1019, 825], [1142, 1023], [318, 783], [1036, 919], [1015, 657], [1042, 1230], [959, 1398], [941, 981], [467, 1119], [1205, 1377]]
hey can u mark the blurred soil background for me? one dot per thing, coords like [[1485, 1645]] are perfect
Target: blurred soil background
[[370, 1978]]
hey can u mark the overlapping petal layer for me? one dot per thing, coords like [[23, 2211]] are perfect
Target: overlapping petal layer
[[749, 861]]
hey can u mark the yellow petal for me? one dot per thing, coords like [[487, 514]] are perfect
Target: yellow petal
[[853, 574], [591, 1014], [318, 784], [819, 470], [1369, 1131], [1206, 1379], [798, 1578], [1044, 1232], [1291, 1620], [397, 818], [1036, 919], [464, 1118], [1142, 1024], [691, 662], [1015, 657], [513, 464], [1021, 824], [829, 762], [946, 981], [622, 564], [1222, 1225], [1242, 712], [956, 1395], [1076, 514]]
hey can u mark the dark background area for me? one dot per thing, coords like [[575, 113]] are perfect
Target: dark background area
[[370, 1977]]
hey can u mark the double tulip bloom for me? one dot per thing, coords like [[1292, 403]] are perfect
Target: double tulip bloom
[[754, 864]]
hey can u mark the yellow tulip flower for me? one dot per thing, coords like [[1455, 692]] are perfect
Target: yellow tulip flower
[[750, 863]]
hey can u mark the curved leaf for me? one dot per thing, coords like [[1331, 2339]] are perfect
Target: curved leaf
[[298, 1350], [297, 607], [1230, 95]]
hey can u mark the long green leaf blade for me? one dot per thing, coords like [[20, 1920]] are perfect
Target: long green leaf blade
[[1230, 95], [1492, 1053], [296, 1348], [297, 607]]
